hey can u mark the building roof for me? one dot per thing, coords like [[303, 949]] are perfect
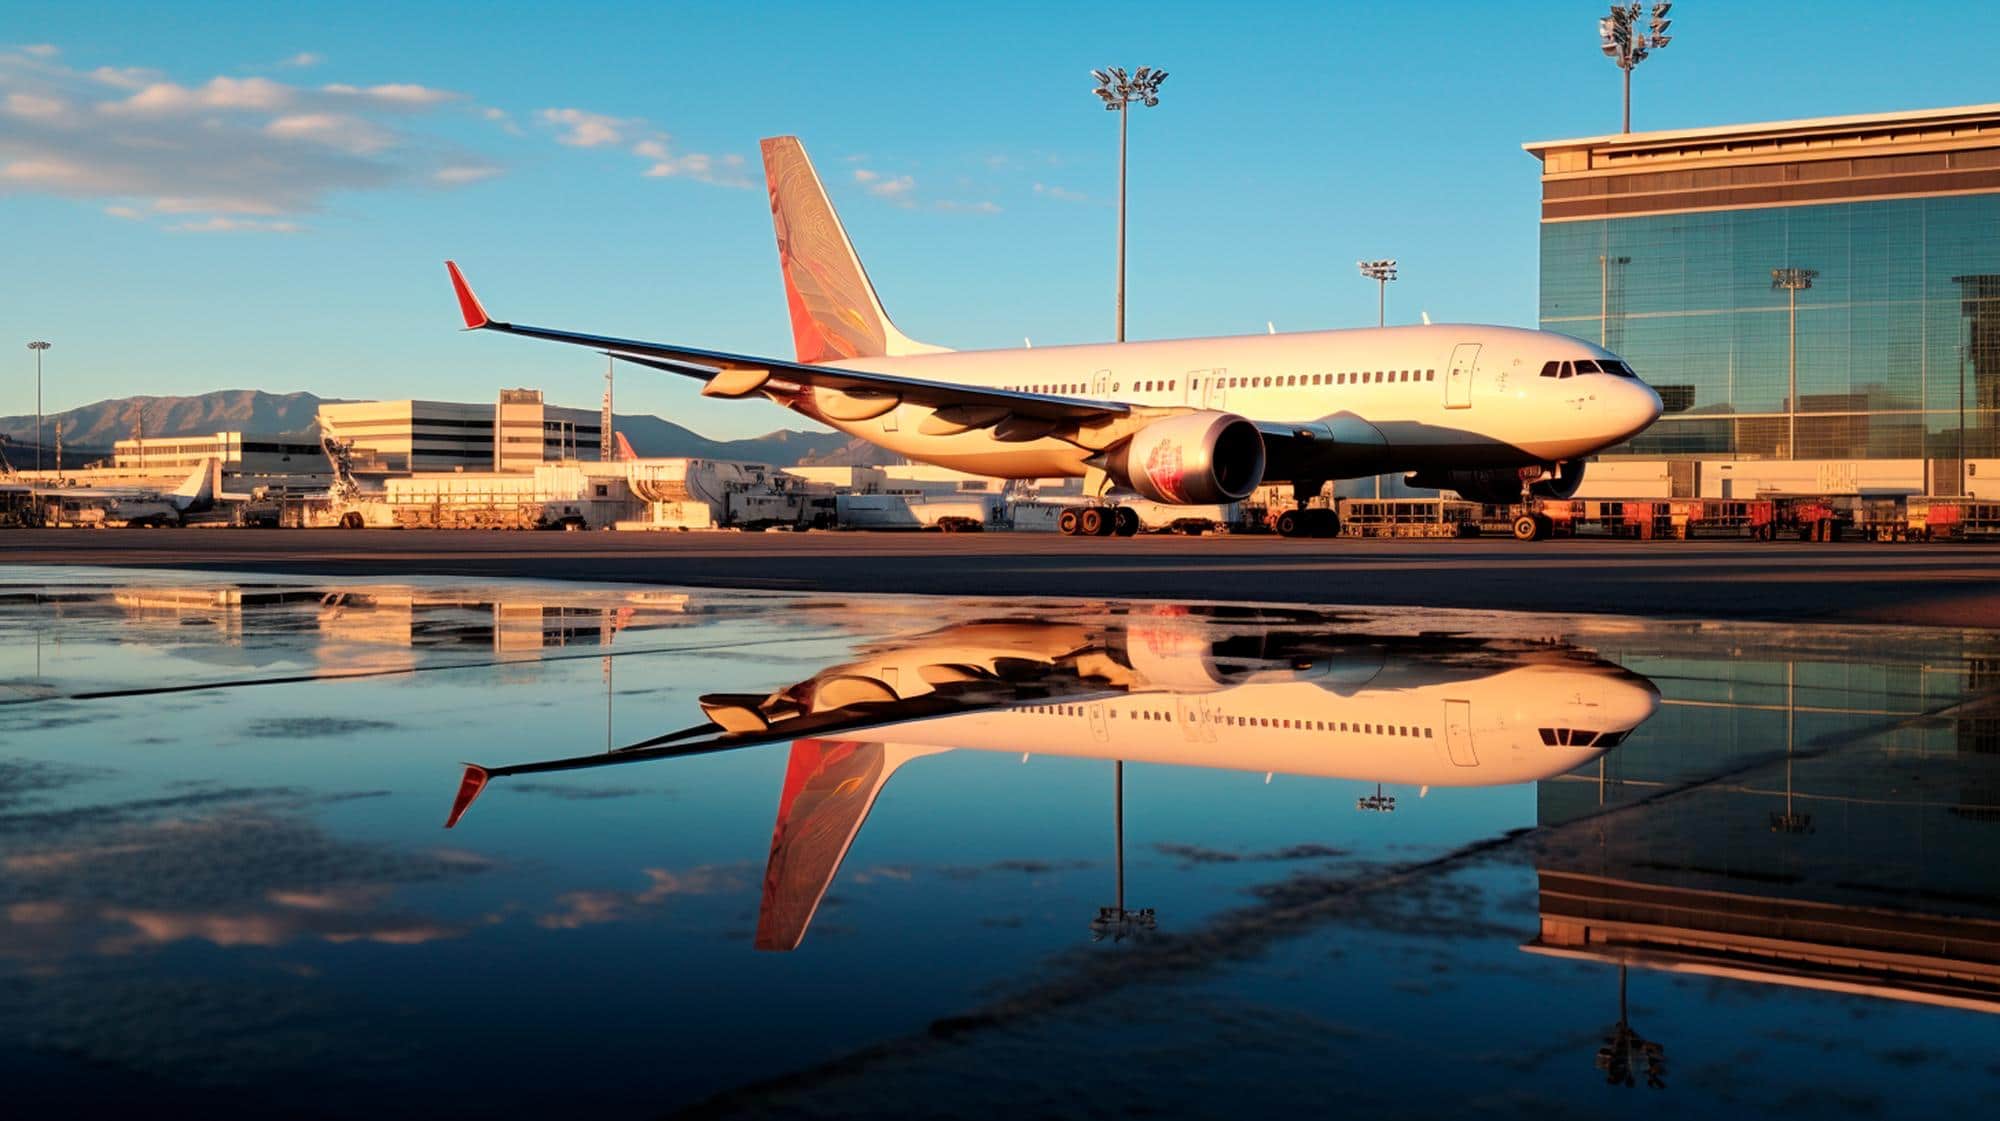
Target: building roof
[[1775, 163], [1799, 132]]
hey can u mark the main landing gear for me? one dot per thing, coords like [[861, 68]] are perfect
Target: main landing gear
[[1307, 521], [1098, 521]]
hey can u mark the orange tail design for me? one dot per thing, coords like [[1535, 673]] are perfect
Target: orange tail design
[[835, 312]]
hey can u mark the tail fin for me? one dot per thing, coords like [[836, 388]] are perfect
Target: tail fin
[[835, 312], [199, 487]]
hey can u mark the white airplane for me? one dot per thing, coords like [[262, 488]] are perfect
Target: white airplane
[[1179, 690], [1485, 411], [131, 506]]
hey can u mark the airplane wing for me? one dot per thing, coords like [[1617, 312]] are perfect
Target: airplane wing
[[741, 375]]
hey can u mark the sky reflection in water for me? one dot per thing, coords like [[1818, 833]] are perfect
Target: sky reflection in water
[[789, 855]]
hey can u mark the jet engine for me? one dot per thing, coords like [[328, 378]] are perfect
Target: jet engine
[[1195, 459], [1502, 485], [1561, 482]]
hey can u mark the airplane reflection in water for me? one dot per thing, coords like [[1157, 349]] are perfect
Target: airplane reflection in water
[[1185, 687]]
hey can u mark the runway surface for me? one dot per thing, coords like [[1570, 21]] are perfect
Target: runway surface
[[1939, 585]]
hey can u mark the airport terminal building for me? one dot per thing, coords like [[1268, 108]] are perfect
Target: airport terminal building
[[517, 433], [1817, 301]]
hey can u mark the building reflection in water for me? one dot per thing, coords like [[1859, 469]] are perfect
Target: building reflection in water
[[1293, 695], [1846, 847]]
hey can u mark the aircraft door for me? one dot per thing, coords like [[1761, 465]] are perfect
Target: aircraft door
[[1100, 384], [1214, 388], [1100, 730], [1458, 378], [1196, 721], [1458, 733]]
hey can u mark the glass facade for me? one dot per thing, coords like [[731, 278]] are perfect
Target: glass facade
[[1898, 332]]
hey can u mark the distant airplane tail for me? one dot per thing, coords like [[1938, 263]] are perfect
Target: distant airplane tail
[[835, 312], [199, 488], [624, 450]]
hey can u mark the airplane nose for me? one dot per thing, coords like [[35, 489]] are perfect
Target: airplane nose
[[1637, 406], [1628, 702]]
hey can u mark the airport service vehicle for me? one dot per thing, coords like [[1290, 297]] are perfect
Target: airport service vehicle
[[1179, 687], [127, 506], [1490, 412]]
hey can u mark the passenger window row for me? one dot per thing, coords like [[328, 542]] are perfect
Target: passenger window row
[[1277, 381], [1363, 377], [1572, 737], [1404, 730], [1048, 387], [1554, 369], [1409, 731]]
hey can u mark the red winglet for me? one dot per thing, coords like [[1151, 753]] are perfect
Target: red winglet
[[475, 316], [468, 789]]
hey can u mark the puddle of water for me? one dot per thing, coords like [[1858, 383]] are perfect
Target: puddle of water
[[786, 854]]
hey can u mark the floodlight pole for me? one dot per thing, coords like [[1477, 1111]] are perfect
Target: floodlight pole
[[1793, 281], [1119, 90], [1381, 272], [1124, 119], [1604, 263], [38, 346], [1627, 45]]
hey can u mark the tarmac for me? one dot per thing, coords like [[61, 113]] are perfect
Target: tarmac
[[1954, 585]]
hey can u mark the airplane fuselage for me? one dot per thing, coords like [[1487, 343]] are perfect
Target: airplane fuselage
[[1373, 400]]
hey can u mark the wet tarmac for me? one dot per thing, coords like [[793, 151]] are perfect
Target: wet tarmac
[[1943, 584], [337, 846]]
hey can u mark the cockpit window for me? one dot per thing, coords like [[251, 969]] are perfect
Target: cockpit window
[[1565, 371], [1550, 367], [1619, 368], [1586, 366]]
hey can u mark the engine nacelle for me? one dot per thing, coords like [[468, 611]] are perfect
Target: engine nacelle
[[1562, 482], [1197, 459], [1501, 486]]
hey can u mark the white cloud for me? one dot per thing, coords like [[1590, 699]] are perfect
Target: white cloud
[[224, 154], [42, 50], [47, 171], [395, 93], [580, 128], [221, 225], [984, 206], [468, 173], [336, 130], [168, 98], [584, 129], [302, 60], [897, 189], [500, 117], [1062, 193], [723, 171], [34, 106], [125, 77]]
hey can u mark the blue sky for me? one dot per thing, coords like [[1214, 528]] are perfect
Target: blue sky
[[210, 196]]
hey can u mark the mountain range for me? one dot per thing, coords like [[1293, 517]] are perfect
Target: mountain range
[[90, 430]]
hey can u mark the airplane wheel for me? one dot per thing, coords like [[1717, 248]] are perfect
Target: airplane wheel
[[1546, 527], [1288, 524], [1066, 523], [350, 520], [1127, 521], [1093, 522], [1527, 528]]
